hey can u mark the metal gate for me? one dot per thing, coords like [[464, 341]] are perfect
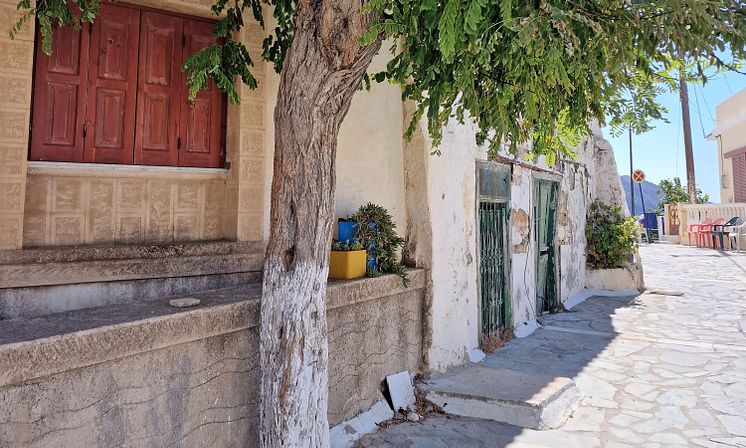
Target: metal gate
[[545, 213], [494, 261]]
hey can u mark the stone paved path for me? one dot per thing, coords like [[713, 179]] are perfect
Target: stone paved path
[[666, 369]]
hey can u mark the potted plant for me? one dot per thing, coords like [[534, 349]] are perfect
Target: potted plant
[[347, 260], [380, 238], [347, 229]]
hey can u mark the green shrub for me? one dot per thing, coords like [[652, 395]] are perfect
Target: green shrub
[[612, 239]]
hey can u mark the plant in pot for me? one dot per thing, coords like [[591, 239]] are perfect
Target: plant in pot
[[347, 229], [612, 238], [347, 260], [376, 230]]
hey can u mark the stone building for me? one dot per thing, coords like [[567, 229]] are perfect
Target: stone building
[[116, 193]]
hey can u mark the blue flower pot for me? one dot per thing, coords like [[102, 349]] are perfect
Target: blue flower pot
[[346, 231]]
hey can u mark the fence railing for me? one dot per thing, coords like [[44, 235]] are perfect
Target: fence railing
[[687, 214]]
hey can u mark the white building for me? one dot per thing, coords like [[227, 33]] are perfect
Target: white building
[[730, 135]]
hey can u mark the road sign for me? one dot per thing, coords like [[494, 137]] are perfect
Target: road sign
[[638, 176]]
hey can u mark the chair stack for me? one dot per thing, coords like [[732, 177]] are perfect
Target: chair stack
[[713, 233]]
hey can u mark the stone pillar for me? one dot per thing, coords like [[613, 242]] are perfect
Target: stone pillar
[[247, 150], [16, 75]]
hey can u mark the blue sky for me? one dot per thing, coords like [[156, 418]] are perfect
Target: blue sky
[[660, 152]]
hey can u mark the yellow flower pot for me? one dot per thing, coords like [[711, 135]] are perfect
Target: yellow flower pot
[[347, 264]]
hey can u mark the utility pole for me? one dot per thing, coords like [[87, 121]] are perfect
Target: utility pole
[[631, 169], [691, 184]]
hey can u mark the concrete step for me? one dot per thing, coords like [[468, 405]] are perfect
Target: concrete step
[[35, 282], [522, 399], [65, 266]]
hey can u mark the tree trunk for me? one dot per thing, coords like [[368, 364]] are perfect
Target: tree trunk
[[323, 68]]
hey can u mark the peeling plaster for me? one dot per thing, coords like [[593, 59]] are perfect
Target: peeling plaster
[[445, 187], [520, 225]]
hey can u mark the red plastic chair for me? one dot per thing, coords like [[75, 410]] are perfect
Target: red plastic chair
[[705, 232], [694, 230]]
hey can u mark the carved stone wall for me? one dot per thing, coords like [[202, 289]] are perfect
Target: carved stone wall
[[16, 64], [70, 206], [248, 149]]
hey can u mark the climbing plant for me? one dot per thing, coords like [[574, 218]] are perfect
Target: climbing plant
[[611, 238]]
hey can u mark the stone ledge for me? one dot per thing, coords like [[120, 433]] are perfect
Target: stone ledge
[[71, 169], [63, 254], [619, 279], [90, 264], [47, 274], [43, 346], [349, 292]]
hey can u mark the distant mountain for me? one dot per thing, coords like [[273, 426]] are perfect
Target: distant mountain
[[649, 193]]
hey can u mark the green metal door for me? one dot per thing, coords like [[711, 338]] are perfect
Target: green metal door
[[494, 261], [545, 212]]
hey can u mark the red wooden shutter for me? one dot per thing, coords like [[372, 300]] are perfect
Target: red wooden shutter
[[112, 85], [60, 97], [739, 178], [159, 89], [201, 126]]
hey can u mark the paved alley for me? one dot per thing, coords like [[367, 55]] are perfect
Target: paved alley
[[665, 369]]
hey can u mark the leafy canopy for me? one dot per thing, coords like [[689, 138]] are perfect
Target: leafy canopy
[[674, 192], [532, 71]]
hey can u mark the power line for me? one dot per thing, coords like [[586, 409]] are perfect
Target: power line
[[727, 84], [707, 106], [699, 112]]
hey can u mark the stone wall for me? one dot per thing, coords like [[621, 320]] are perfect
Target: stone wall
[[145, 375], [16, 65], [74, 205]]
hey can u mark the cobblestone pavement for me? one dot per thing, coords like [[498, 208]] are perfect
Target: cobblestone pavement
[[665, 369]]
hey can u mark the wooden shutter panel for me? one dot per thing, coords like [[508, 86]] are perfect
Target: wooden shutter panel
[[60, 97], [739, 178], [202, 124], [159, 89], [112, 85]]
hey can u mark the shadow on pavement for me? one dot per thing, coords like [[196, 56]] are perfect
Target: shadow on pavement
[[566, 344]]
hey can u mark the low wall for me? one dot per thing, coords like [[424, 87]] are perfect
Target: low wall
[[147, 375], [689, 214], [620, 279]]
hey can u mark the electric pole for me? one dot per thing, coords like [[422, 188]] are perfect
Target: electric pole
[[691, 184], [631, 181]]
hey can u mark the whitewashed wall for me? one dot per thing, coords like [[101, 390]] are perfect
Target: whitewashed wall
[[447, 243]]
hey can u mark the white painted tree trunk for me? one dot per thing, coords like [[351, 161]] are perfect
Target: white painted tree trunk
[[323, 68]]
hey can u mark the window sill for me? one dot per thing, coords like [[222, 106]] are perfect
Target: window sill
[[71, 169]]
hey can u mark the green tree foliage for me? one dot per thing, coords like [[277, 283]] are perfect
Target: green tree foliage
[[612, 238], [673, 191], [526, 71]]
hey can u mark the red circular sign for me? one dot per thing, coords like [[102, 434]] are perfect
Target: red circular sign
[[638, 176]]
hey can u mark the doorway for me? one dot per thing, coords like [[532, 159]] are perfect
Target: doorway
[[545, 225], [493, 208]]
